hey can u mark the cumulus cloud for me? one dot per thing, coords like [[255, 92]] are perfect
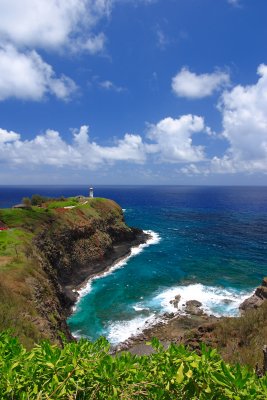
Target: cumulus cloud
[[244, 120], [27, 76], [173, 141], [8, 136], [190, 85], [50, 24], [29, 26], [170, 141], [244, 112], [51, 149], [191, 170]]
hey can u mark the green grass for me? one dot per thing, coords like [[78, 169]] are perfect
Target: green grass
[[61, 204], [12, 240], [26, 218]]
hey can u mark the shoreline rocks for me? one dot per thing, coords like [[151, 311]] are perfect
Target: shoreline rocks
[[193, 307], [175, 302], [256, 300]]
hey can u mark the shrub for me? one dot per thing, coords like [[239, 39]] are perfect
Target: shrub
[[86, 370], [38, 200], [27, 201]]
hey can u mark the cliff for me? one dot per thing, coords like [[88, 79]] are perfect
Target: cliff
[[48, 251], [257, 299]]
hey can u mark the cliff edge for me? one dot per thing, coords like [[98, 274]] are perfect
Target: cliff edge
[[49, 250]]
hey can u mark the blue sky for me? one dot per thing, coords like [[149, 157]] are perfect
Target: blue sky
[[133, 92]]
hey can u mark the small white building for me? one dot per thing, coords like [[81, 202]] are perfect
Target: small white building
[[91, 192]]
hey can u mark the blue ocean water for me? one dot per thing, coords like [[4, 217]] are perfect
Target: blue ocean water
[[209, 244]]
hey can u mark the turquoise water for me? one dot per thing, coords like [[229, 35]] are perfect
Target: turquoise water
[[212, 248], [209, 244]]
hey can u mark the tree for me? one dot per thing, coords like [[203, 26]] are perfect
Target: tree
[[27, 202], [37, 199]]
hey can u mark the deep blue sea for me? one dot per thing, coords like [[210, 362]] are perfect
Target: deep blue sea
[[208, 244]]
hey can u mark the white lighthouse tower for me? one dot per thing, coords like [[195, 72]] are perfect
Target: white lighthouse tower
[[91, 192]]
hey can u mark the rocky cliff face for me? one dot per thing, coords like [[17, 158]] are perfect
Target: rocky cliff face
[[258, 297], [68, 246], [70, 255]]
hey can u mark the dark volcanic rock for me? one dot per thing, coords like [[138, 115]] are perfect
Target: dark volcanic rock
[[176, 300], [193, 307], [72, 255], [256, 300]]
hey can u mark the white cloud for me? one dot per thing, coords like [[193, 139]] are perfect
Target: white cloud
[[51, 149], [162, 39], [27, 76], [244, 120], [54, 25], [93, 44], [108, 85], [50, 24], [61, 26], [173, 142], [244, 112], [8, 136], [193, 86], [191, 170], [170, 142]]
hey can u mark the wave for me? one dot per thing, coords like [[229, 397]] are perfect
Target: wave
[[154, 238], [138, 307], [120, 331], [215, 300]]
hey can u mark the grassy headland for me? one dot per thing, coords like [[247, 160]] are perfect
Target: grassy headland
[[49, 249]]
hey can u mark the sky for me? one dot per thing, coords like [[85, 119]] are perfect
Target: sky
[[133, 92]]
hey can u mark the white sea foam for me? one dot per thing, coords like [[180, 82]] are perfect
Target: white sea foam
[[135, 250], [122, 330], [215, 300], [139, 307]]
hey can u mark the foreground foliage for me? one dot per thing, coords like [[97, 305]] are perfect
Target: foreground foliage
[[86, 370]]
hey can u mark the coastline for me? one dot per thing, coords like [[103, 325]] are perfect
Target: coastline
[[168, 327], [114, 260], [189, 329]]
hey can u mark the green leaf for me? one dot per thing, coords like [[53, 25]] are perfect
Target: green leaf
[[189, 373], [115, 392], [49, 364], [180, 374], [194, 364]]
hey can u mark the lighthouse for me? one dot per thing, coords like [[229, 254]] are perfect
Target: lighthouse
[[91, 192]]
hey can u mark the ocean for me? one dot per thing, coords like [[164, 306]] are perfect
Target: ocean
[[207, 244]]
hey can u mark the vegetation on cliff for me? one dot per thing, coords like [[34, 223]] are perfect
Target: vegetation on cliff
[[47, 251], [85, 370], [240, 339]]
